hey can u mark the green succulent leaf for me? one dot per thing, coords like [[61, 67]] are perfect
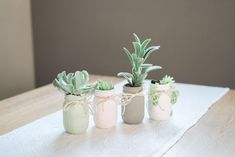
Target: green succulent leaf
[[149, 51], [145, 43], [129, 55], [56, 83], [86, 75], [128, 76], [137, 47], [137, 39], [151, 68], [70, 77], [146, 65]]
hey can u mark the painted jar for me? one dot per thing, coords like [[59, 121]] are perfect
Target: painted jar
[[105, 109], [132, 105], [75, 114], [160, 100]]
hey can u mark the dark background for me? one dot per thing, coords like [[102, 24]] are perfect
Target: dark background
[[196, 37]]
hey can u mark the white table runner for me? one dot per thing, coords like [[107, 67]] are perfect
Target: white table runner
[[46, 137]]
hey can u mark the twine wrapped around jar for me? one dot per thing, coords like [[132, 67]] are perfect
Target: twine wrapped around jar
[[105, 108], [126, 98]]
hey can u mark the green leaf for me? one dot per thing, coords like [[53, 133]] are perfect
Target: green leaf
[[56, 83], [64, 87], [145, 43], [75, 83], [61, 75], [137, 48], [69, 78], [86, 75], [146, 65], [138, 61], [127, 76], [152, 68], [149, 51], [69, 88], [137, 39], [129, 55], [58, 86], [139, 79]]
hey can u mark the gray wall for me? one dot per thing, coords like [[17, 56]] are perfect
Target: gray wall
[[196, 37], [16, 52]]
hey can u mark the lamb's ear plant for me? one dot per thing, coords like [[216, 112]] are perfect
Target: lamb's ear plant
[[101, 85], [74, 83], [139, 68]]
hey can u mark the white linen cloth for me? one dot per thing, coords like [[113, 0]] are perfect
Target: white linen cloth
[[46, 137]]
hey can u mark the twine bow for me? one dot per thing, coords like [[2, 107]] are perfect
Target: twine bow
[[80, 101], [104, 99]]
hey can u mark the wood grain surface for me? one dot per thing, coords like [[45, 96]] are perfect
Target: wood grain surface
[[213, 135]]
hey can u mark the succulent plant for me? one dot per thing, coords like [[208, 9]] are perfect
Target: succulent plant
[[154, 92], [74, 83], [104, 85], [139, 69], [174, 95], [167, 80]]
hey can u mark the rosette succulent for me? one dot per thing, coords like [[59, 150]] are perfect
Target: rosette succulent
[[139, 68], [104, 85], [167, 80], [74, 83]]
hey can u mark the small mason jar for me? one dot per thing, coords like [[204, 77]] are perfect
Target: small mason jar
[[159, 101], [133, 112], [105, 109], [75, 114]]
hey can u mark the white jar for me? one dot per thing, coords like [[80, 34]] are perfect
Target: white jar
[[105, 109], [159, 102]]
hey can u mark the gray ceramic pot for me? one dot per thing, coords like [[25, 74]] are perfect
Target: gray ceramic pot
[[134, 111]]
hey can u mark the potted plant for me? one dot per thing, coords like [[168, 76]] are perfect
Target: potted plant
[[76, 88], [162, 95], [105, 105], [133, 98]]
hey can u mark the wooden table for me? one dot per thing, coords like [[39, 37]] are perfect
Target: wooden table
[[213, 135]]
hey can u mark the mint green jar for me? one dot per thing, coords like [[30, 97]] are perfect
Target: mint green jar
[[75, 114]]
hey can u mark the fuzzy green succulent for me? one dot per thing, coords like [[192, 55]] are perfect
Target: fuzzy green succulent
[[139, 68], [104, 85], [167, 80], [74, 83]]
